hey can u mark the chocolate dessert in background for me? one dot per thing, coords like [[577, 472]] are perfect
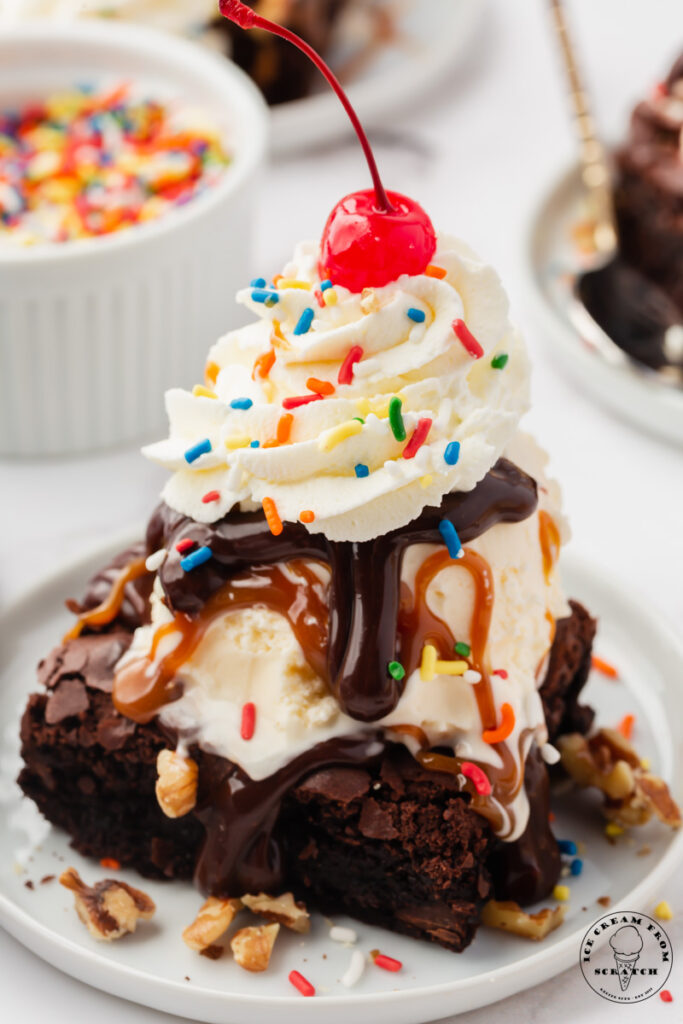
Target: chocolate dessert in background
[[649, 187]]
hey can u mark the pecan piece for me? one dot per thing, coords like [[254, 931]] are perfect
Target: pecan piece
[[508, 916], [283, 909], [251, 947], [176, 786], [108, 909], [213, 919]]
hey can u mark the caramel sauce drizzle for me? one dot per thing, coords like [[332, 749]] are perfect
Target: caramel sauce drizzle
[[107, 610], [144, 685], [549, 537]]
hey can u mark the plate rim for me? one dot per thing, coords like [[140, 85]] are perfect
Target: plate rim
[[586, 365], [93, 968]]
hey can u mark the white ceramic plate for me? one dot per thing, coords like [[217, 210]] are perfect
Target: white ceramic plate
[[154, 968], [552, 259], [431, 38]]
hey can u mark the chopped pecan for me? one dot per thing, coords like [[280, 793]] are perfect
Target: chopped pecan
[[213, 919], [607, 761], [109, 909], [251, 947], [509, 917], [176, 786], [283, 909]]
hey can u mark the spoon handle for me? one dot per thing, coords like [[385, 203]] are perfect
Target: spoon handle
[[595, 171]]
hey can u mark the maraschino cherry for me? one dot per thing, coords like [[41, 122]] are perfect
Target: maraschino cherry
[[371, 237]]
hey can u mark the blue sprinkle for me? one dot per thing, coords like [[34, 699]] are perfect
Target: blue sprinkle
[[576, 866], [195, 559], [201, 448], [418, 315], [261, 295], [324, 285], [567, 846], [452, 453], [258, 282], [450, 538], [361, 470], [305, 321], [254, 444], [241, 403]]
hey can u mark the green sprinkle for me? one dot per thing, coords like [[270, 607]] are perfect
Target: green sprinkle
[[463, 649], [396, 670], [396, 419], [498, 362], [359, 418]]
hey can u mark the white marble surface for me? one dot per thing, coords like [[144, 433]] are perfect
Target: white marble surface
[[477, 154]]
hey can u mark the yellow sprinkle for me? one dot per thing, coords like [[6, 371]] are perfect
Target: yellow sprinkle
[[203, 392], [237, 441], [612, 829], [451, 668], [380, 407], [428, 664], [291, 282], [329, 439], [330, 297], [645, 763], [663, 911], [425, 481], [561, 893], [268, 390]]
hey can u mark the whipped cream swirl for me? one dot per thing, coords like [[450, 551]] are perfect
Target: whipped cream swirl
[[360, 486]]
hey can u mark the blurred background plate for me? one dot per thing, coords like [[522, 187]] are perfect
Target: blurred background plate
[[553, 259], [395, 72]]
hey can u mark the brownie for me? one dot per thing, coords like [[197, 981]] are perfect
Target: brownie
[[649, 188], [280, 70], [392, 844]]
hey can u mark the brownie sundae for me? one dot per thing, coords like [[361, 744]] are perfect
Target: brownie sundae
[[339, 664]]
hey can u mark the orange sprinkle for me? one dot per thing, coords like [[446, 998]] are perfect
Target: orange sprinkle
[[307, 516], [320, 387], [263, 364], [604, 666], [277, 279], [507, 724], [271, 444], [110, 863], [433, 271], [211, 371], [277, 338], [284, 427], [272, 517], [625, 726]]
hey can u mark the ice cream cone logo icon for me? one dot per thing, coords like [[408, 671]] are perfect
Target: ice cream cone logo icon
[[626, 946]]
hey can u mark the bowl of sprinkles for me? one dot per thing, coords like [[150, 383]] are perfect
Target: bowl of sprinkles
[[128, 180]]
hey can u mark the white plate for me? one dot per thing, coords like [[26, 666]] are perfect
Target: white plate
[[432, 37], [552, 259], [152, 967]]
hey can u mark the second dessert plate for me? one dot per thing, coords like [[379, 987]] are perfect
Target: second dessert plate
[[553, 259], [154, 968]]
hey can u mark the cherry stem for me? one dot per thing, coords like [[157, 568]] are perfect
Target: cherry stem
[[243, 16]]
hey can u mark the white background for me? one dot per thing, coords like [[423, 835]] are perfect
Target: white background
[[478, 153]]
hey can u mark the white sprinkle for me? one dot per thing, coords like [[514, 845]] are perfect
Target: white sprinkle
[[156, 560], [550, 754], [471, 676], [355, 969], [339, 934]]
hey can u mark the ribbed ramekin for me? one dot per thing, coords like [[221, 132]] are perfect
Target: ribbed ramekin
[[93, 331]]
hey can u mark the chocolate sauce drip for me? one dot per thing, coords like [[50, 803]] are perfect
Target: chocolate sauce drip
[[365, 577], [240, 852]]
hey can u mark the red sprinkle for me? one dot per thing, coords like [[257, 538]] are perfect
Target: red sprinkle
[[248, 721], [110, 863], [467, 339], [666, 996], [320, 298], [661, 89], [211, 496], [418, 439], [185, 545], [501, 672], [479, 779], [294, 403], [387, 963], [345, 375], [301, 983]]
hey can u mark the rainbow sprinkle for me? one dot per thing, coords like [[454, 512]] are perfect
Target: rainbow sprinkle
[[258, 282], [500, 361], [361, 470], [195, 559], [265, 296], [464, 650], [85, 163], [450, 538], [305, 321], [197, 450], [241, 403], [477, 777], [452, 453], [396, 419], [418, 316], [396, 670]]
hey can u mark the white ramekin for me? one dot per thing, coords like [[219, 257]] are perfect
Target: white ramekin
[[93, 331]]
